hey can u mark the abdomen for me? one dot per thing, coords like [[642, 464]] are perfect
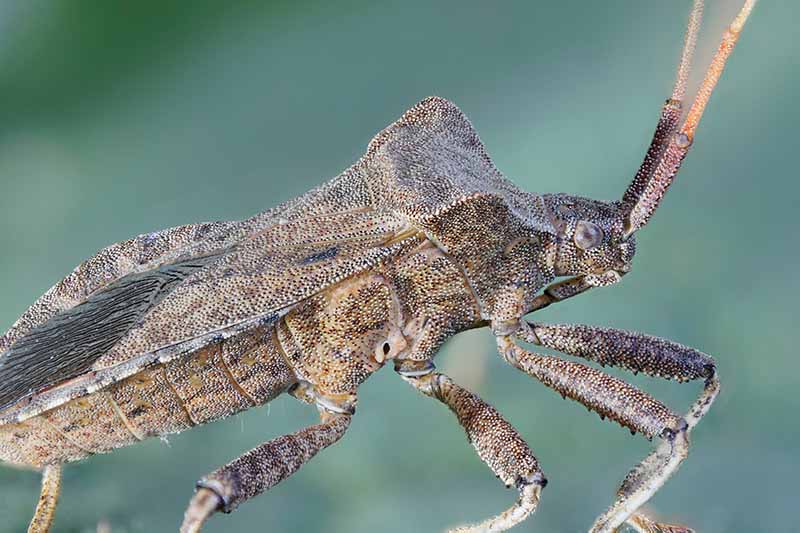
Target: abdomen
[[216, 381]]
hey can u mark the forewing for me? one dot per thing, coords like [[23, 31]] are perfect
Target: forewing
[[187, 302], [266, 274], [416, 169], [136, 255]]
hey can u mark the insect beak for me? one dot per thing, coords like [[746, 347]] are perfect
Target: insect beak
[[610, 277]]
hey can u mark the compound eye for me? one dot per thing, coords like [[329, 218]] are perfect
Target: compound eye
[[588, 235]]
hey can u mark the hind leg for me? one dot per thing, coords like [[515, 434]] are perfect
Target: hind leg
[[260, 469], [46, 509]]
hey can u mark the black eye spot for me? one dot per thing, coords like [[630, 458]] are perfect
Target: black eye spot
[[386, 348], [587, 235]]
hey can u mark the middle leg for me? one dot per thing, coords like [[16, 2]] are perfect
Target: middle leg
[[260, 469], [497, 442]]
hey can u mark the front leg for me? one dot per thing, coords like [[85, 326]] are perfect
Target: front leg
[[497, 442], [260, 469], [637, 352], [619, 401]]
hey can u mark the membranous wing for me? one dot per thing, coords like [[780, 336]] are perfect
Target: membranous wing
[[70, 342]]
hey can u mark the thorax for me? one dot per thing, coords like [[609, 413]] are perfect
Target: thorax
[[404, 309]]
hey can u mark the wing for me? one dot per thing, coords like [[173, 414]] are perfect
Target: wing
[[160, 295], [67, 344], [140, 254], [176, 307]]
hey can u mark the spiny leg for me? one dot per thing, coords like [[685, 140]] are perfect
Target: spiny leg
[[260, 469], [497, 442], [636, 352], [632, 351], [630, 407], [608, 396], [46, 508]]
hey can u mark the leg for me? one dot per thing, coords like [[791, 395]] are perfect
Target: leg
[[636, 352], [260, 469], [46, 509], [641, 523], [639, 353], [498, 444], [627, 405]]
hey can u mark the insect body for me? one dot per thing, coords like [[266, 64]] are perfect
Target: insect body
[[422, 238]]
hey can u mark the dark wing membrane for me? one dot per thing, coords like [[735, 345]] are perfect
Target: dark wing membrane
[[70, 342]]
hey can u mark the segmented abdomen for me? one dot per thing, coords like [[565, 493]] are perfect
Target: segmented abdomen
[[219, 380]]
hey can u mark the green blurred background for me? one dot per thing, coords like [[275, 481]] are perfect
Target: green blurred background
[[118, 118]]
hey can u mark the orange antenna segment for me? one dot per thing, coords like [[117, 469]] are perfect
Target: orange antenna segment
[[715, 69]]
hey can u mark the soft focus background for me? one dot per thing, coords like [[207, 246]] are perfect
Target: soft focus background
[[122, 118]]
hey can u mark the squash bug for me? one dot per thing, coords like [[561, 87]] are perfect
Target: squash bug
[[420, 239]]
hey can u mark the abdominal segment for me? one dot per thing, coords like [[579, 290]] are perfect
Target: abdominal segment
[[216, 381]]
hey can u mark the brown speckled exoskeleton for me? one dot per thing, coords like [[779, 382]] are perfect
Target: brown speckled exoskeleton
[[420, 239]]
